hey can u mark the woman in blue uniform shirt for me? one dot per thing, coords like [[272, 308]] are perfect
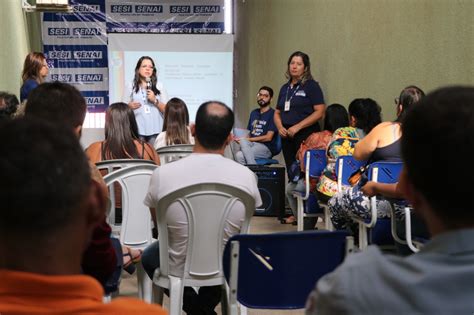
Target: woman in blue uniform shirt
[[300, 106], [147, 99]]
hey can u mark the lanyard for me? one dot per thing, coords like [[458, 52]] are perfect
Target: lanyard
[[294, 92]]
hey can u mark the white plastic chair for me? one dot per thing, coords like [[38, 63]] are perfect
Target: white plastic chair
[[136, 218], [207, 206], [175, 152], [111, 166]]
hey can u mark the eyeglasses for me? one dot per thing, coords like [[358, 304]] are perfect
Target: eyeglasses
[[263, 95], [396, 100]]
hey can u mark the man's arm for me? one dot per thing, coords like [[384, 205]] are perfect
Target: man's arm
[[265, 138]]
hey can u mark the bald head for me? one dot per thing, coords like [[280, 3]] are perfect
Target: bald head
[[214, 121]]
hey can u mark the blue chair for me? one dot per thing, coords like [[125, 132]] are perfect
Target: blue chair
[[279, 270], [382, 172], [346, 165], [277, 151], [315, 161], [413, 230]]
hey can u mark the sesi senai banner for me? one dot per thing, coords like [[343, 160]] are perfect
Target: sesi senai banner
[[148, 16], [75, 43]]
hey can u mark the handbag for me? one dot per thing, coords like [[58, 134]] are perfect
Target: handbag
[[358, 176]]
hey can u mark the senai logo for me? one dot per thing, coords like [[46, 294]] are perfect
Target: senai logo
[[94, 100], [86, 54], [86, 31], [89, 77], [148, 9], [85, 8], [207, 9]]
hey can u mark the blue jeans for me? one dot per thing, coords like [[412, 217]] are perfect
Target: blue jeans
[[249, 151]]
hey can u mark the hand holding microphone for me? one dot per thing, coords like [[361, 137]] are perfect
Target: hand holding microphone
[[148, 83], [150, 94]]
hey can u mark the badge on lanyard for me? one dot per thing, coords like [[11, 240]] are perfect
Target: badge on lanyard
[[287, 106], [147, 109]]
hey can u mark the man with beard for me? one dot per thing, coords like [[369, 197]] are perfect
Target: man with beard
[[261, 140]]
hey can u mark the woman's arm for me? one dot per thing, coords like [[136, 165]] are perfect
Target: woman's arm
[[317, 114], [387, 190], [277, 119]]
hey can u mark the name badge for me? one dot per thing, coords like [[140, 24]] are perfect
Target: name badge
[[301, 93], [147, 109], [287, 106]]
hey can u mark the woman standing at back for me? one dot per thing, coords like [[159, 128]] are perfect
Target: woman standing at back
[[300, 106], [35, 70]]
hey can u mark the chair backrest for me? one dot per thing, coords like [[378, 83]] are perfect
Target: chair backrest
[[315, 162], [136, 218], [346, 165], [278, 144], [109, 166], [385, 172], [279, 270], [175, 152], [207, 206]]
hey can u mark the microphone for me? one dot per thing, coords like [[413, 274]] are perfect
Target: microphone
[[148, 83]]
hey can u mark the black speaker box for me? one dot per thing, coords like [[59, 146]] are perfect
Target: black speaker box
[[271, 184]]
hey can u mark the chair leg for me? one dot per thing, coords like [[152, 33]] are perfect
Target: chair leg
[[144, 284], [327, 219], [224, 300], [363, 242], [176, 296], [300, 207], [157, 294]]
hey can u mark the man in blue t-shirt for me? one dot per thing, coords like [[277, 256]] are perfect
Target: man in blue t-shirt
[[261, 142]]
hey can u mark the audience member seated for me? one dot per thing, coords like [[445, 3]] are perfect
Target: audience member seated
[[438, 279], [175, 125], [214, 122], [261, 141], [122, 142], [381, 144], [335, 117], [62, 104], [364, 115], [8, 105], [50, 208]]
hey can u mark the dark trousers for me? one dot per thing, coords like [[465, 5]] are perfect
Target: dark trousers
[[291, 145], [202, 302]]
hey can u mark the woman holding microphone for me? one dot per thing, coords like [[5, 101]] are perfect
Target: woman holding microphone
[[147, 99], [300, 106]]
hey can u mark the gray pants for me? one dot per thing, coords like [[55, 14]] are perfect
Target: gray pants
[[248, 151]]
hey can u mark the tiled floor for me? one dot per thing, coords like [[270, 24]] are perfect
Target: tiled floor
[[259, 225]]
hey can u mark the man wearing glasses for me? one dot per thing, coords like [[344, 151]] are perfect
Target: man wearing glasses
[[260, 142]]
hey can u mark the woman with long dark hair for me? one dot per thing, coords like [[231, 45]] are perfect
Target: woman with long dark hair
[[121, 138], [147, 99], [300, 106], [382, 143], [35, 70], [176, 125], [122, 142]]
